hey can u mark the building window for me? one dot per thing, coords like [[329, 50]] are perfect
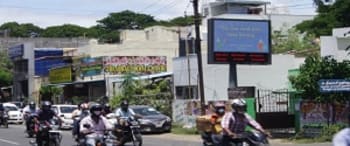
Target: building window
[[186, 92]]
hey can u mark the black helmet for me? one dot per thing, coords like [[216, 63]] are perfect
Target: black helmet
[[46, 105], [32, 105], [124, 105], [96, 109], [106, 106], [220, 108]]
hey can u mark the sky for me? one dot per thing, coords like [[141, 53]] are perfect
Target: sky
[[85, 12]]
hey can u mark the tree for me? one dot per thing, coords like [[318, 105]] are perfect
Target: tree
[[182, 21], [126, 20], [21, 30], [329, 17], [50, 93], [315, 69], [66, 30], [5, 70], [293, 41]]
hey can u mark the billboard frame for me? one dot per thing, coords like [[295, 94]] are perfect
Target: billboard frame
[[247, 55]]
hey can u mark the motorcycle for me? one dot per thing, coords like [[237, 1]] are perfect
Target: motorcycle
[[105, 139], [31, 118], [252, 138], [130, 133], [75, 130], [4, 118], [48, 133]]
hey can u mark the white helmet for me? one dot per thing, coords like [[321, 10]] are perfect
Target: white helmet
[[239, 105]]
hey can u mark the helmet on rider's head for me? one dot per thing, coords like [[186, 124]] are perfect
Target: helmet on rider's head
[[96, 109], [46, 105], [32, 105], [124, 105], [239, 105], [220, 108], [84, 106]]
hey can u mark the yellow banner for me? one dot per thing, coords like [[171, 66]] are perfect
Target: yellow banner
[[60, 75]]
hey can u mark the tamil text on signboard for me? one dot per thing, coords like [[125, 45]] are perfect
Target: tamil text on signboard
[[334, 85], [135, 64], [60, 75], [239, 41]]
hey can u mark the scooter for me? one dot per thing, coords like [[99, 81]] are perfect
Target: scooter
[[253, 138], [48, 133]]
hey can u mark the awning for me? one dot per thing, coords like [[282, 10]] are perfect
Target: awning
[[77, 82]]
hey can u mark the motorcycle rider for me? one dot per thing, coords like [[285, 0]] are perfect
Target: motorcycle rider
[[95, 124], [106, 109], [235, 122], [124, 112], [28, 111], [78, 115], [215, 120], [45, 114]]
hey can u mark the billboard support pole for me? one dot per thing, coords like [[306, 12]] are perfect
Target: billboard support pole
[[197, 20], [233, 76]]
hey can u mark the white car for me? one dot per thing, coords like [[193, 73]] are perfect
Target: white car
[[15, 115], [64, 111]]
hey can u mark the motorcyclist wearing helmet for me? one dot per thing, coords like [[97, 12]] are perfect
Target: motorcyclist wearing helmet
[[124, 112], [31, 109], [235, 122], [94, 124], [78, 115], [215, 120], [45, 114], [106, 109]]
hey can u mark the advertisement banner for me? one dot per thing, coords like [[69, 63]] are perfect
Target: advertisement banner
[[117, 65], [90, 66], [241, 92], [60, 75], [239, 41]]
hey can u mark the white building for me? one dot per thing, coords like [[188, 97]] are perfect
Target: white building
[[336, 44]]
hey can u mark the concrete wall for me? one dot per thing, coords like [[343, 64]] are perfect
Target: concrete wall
[[44, 42], [336, 44], [216, 77]]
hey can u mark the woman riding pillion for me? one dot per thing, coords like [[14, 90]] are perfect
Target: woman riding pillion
[[235, 122]]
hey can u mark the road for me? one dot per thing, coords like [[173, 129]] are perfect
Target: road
[[15, 136]]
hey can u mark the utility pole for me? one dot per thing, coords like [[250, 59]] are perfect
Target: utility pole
[[197, 20]]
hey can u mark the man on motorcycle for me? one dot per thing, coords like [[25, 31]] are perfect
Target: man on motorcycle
[[216, 119], [28, 112], [95, 124], [45, 114], [106, 109], [124, 113], [235, 122], [78, 115]]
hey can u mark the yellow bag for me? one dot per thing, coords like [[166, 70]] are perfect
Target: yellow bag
[[203, 123]]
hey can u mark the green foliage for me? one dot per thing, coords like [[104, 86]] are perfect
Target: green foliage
[[126, 20], [292, 40], [315, 69], [66, 30], [143, 92], [329, 17], [5, 69], [20, 30], [182, 21], [50, 93]]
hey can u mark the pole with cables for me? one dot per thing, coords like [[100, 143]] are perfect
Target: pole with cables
[[197, 20]]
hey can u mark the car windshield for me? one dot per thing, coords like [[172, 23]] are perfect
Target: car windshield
[[67, 109], [17, 104], [11, 108], [147, 111]]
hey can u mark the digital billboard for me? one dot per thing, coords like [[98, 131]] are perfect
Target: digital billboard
[[239, 41]]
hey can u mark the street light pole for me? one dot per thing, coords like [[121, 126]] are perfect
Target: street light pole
[[197, 20]]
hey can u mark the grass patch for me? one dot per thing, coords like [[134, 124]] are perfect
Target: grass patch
[[178, 129]]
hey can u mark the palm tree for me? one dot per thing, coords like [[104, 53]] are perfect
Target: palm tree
[[50, 93]]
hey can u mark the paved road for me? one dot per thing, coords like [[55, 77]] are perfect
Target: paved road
[[15, 136]]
